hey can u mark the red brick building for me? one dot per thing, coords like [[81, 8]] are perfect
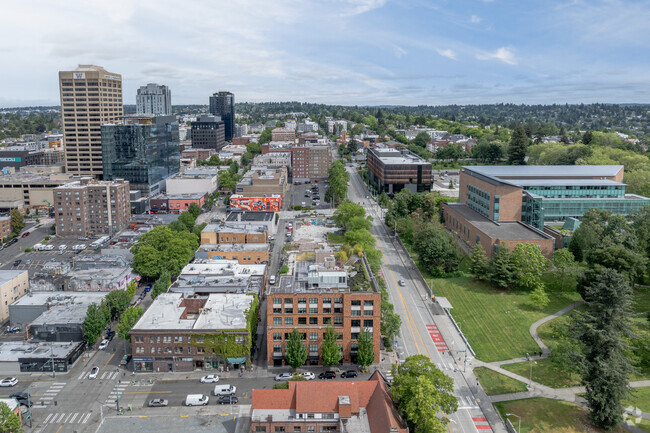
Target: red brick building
[[318, 406]]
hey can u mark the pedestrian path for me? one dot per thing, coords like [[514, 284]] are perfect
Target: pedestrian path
[[118, 391], [67, 418], [467, 402], [108, 375], [51, 393]]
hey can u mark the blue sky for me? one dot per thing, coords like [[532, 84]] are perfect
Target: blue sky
[[336, 51]]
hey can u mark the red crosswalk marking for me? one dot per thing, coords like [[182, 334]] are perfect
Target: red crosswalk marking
[[477, 419], [483, 427]]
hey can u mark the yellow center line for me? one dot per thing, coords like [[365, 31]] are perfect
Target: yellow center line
[[59, 429], [109, 360]]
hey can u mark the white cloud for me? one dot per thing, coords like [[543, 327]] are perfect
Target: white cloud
[[447, 53], [362, 6], [475, 19], [399, 51], [503, 54]]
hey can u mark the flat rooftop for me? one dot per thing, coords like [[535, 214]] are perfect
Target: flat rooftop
[[222, 267], [64, 307], [11, 351], [221, 311], [507, 230], [6, 276], [250, 216], [564, 182], [389, 155], [544, 171], [232, 248], [233, 228]]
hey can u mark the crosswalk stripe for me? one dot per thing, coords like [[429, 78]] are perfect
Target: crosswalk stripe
[[83, 373], [48, 418], [104, 375], [85, 419], [66, 420], [47, 398], [73, 417], [59, 418], [59, 383]]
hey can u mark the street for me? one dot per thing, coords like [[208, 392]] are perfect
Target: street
[[425, 328]]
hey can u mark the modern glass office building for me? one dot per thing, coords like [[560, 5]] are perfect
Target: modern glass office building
[[144, 150]]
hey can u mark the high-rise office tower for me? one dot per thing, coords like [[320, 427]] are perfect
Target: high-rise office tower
[[223, 104], [154, 99], [90, 97]]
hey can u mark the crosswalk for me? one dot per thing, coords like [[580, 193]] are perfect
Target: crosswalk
[[108, 375], [68, 418], [437, 338], [51, 392], [467, 402], [118, 389], [481, 424], [446, 366]]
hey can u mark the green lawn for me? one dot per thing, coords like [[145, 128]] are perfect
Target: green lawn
[[641, 399], [545, 372], [642, 300], [496, 322], [542, 415], [336, 238], [496, 383]]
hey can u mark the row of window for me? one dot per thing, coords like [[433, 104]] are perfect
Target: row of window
[[309, 428]]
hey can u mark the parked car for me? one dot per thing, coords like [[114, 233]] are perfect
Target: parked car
[[147, 288], [125, 360], [28, 262], [25, 235], [196, 400], [93, 373], [210, 378], [349, 373], [283, 376], [401, 283], [110, 335], [224, 389], [158, 402], [23, 398], [17, 262], [308, 375], [327, 375], [103, 345], [9, 381], [227, 399]]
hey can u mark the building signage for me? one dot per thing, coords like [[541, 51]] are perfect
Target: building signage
[[79, 75], [111, 77], [10, 159]]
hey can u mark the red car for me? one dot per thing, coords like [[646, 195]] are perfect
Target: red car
[[25, 234]]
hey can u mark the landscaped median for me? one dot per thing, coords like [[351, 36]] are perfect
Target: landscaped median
[[497, 321]]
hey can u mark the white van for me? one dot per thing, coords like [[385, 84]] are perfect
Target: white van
[[272, 279], [224, 389], [196, 400]]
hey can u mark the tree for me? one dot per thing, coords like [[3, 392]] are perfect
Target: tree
[[502, 271], [338, 183], [529, 262], [330, 350], [187, 219], [296, 350], [9, 421], [390, 321], [421, 139], [17, 221], [517, 147], [194, 210], [265, 136], [284, 269], [362, 237], [587, 137], [566, 269], [602, 330], [130, 288], [118, 301], [618, 257], [366, 353], [421, 391], [346, 211], [538, 297], [435, 249], [128, 321], [161, 285], [94, 323], [163, 249], [479, 264], [352, 146]]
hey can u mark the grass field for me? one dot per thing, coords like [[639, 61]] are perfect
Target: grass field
[[641, 399], [542, 415], [545, 372], [496, 322], [496, 383], [336, 238]]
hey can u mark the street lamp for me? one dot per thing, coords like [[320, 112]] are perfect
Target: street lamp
[[518, 417]]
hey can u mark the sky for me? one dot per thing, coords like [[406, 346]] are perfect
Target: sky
[[348, 52]]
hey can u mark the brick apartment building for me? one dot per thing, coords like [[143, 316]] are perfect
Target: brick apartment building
[[183, 333], [5, 227], [177, 202], [315, 297], [283, 134], [89, 208], [318, 406], [234, 234], [310, 162], [243, 253]]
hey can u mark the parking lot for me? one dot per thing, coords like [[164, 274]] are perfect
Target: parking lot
[[299, 195]]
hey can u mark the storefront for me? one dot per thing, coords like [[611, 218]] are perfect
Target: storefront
[[143, 364]]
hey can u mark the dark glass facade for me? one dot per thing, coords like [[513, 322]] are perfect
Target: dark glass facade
[[223, 104], [143, 154]]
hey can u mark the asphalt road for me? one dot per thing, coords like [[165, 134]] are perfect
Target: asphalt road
[[421, 331]]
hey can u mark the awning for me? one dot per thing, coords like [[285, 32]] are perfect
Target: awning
[[235, 360], [444, 303]]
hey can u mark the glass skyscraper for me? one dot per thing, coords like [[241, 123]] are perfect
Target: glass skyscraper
[[223, 104], [144, 150]]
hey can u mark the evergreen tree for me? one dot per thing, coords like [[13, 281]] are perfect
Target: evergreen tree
[[479, 264], [587, 137], [518, 146], [602, 331], [296, 350], [502, 271]]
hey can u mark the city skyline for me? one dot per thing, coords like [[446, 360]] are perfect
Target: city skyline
[[364, 52]]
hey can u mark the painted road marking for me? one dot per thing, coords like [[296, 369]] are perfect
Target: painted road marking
[[437, 339], [481, 423]]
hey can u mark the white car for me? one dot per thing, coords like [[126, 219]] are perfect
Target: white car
[[401, 283], [93, 373], [103, 345], [63, 247], [283, 376], [308, 375], [210, 378], [9, 381]]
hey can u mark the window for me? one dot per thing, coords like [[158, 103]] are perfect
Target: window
[[313, 310], [327, 311], [288, 300], [288, 320], [277, 336], [260, 428], [338, 300], [368, 323], [302, 320], [313, 300], [296, 428], [367, 312], [277, 320], [277, 348], [313, 335], [277, 300], [327, 300], [280, 428], [327, 320], [355, 313], [355, 303], [325, 428], [355, 323], [302, 300], [313, 348], [338, 320], [367, 302], [302, 310], [288, 310], [339, 336], [313, 320]]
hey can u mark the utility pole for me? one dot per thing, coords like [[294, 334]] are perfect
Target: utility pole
[[117, 390], [52, 357]]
